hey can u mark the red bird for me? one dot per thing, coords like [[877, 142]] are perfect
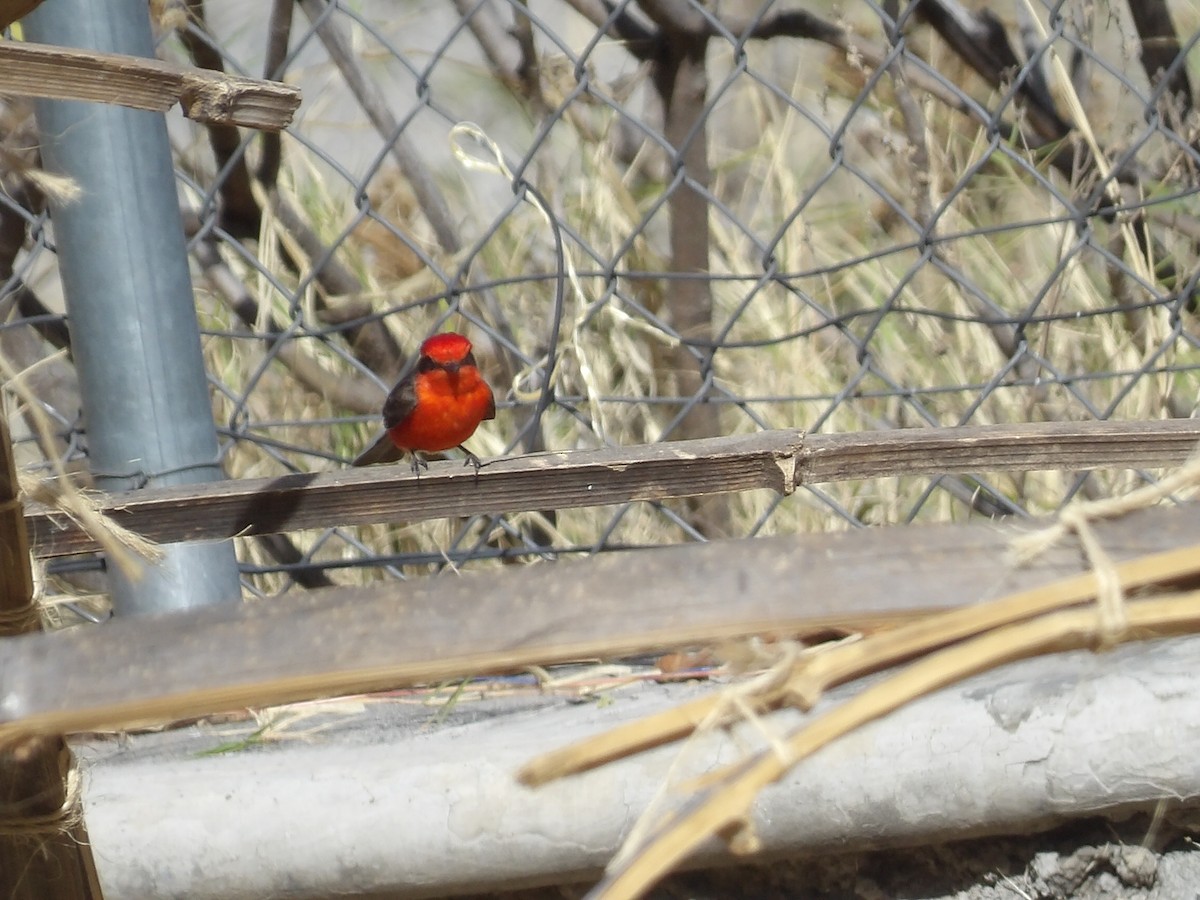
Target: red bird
[[437, 405]]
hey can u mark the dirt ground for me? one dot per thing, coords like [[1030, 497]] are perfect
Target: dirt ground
[[1090, 860]]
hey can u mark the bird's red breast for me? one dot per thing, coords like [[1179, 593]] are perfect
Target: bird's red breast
[[448, 405]]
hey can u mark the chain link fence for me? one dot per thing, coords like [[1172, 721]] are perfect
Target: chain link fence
[[666, 220]]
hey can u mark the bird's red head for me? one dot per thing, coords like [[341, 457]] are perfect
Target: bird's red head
[[449, 347]]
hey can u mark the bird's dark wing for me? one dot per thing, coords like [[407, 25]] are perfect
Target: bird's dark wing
[[400, 402], [382, 450], [397, 407]]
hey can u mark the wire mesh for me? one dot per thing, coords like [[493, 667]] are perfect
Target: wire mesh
[[667, 221]]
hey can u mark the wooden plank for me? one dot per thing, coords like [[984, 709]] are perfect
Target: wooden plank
[[64, 73], [393, 494], [344, 640], [773, 460], [999, 448]]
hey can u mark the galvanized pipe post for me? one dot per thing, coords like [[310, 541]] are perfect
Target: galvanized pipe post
[[134, 335]]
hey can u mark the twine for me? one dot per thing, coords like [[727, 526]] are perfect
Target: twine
[[1112, 618], [497, 166], [122, 545], [1078, 517], [739, 696], [24, 618], [493, 164], [67, 818]]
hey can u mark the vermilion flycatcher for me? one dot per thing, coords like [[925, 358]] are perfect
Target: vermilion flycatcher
[[437, 405]]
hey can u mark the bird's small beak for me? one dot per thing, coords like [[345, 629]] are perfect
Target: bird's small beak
[[451, 367]]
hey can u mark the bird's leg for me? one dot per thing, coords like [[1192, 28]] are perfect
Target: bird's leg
[[472, 460], [418, 463]]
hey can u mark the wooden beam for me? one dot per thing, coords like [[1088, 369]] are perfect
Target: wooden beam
[[64, 73], [772, 460], [1037, 446], [394, 494], [349, 640]]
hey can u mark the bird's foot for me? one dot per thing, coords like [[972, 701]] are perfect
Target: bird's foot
[[418, 463], [472, 460]]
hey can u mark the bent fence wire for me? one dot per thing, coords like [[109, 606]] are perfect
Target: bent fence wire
[[667, 221]]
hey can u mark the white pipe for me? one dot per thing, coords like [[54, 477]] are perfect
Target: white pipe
[[386, 805]]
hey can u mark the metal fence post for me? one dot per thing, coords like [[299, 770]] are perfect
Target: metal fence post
[[125, 273]]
